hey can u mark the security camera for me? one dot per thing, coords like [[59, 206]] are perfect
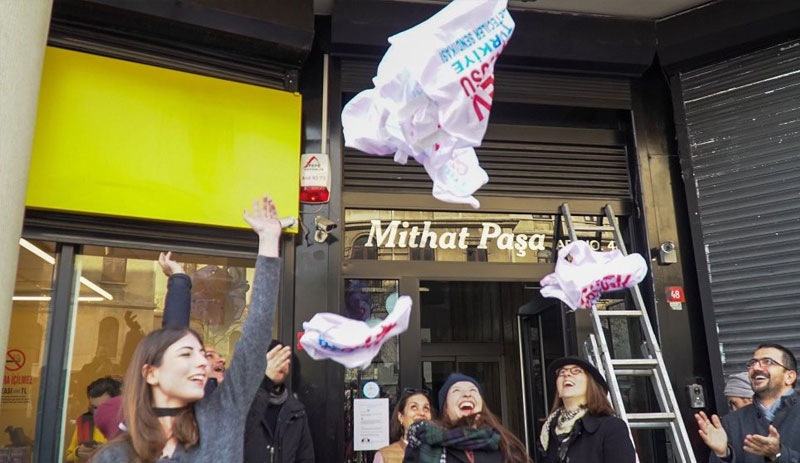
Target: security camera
[[324, 224], [666, 253]]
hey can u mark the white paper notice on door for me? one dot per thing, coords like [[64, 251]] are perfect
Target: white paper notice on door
[[370, 424]]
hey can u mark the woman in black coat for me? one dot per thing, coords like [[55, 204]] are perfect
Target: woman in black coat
[[582, 426]]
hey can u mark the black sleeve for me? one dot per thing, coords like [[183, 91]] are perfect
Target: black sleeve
[[618, 447], [178, 303], [305, 454]]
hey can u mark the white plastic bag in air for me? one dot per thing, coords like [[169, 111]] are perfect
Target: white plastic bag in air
[[582, 275], [352, 343], [433, 94]]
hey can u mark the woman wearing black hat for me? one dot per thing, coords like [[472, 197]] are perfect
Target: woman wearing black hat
[[468, 432], [582, 426]]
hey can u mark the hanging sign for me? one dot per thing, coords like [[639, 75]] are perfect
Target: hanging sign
[[370, 424]]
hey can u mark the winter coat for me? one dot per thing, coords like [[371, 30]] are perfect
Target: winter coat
[[289, 442], [751, 420], [600, 439]]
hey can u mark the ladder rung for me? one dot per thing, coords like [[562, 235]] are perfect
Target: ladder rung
[[650, 420], [619, 313], [635, 363], [626, 372], [597, 228]]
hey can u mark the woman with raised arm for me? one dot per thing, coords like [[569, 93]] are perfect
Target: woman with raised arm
[[165, 418]]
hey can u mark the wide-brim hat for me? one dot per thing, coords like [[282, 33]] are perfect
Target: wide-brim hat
[[587, 367]]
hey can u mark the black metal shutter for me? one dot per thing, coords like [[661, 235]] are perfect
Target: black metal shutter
[[521, 160], [743, 124]]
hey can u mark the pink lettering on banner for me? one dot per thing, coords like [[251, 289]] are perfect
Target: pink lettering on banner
[[369, 342], [480, 80], [591, 292]]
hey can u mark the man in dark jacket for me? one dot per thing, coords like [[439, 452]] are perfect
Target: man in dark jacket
[[277, 424], [769, 428]]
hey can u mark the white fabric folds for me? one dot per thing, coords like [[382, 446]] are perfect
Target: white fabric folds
[[433, 94], [582, 275], [349, 342]]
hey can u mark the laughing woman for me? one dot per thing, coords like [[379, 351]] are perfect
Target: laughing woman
[[165, 418], [582, 425], [468, 431], [412, 406]]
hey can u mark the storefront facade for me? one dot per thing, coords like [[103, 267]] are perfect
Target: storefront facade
[[584, 118]]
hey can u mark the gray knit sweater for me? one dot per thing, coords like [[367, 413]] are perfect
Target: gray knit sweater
[[221, 417]]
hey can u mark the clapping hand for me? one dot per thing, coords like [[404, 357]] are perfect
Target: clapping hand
[[766, 446], [712, 433]]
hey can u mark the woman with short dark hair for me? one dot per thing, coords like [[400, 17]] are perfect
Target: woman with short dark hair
[[582, 425]]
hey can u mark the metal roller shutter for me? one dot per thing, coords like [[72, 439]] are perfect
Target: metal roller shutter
[[522, 160], [743, 125], [522, 87]]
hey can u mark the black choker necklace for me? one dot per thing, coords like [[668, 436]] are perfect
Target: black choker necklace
[[167, 411]]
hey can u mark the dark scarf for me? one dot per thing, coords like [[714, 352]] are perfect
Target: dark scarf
[[427, 441], [278, 398]]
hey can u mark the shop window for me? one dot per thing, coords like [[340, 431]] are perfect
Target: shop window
[[359, 251], [475, 254], [467, 311], [30, 312], [370, 301], [114, 269], [422, 254], [122, 298]]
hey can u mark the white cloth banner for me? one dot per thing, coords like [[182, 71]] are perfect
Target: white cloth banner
[[582, 275], [433, 94], [350, 342]]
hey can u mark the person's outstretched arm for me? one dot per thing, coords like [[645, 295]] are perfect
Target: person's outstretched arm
[[226, 410], [178, 302]]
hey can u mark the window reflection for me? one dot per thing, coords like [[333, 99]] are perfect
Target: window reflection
[[370, 301], [107, 330], [29, 317]]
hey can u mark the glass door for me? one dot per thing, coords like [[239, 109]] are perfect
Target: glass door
[[488, 371], [470, 327]]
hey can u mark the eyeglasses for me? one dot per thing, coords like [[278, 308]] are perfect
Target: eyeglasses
[[409, 391], [765, 362], [571, 370]]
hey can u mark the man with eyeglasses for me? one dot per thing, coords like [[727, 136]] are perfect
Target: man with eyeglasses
[[769, 428]]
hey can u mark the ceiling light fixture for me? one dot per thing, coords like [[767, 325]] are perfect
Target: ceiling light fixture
[[52, 260], [47, 298]]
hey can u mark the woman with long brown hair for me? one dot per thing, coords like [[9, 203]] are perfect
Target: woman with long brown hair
[[413, 405], [467, 432], [582, 425], [164, 416]]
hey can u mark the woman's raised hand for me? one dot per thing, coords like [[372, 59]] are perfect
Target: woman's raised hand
[[263, 219]]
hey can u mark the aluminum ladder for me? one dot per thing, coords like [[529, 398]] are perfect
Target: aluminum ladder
[[669, 416]]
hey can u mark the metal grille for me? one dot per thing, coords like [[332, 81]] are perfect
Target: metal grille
[[743, 125], [522, 87], [521, 161]]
